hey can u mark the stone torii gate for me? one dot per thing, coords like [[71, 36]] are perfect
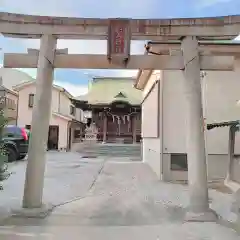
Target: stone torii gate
[[119, 32]]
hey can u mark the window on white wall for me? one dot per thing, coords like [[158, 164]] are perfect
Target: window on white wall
[[30, 100], [10, 103], [77, 133], [179, 162], [72, 110], [81, 115]]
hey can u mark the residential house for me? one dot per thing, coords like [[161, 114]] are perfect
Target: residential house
[[9, 98], [164, 133], [66, 122], [9, 103]]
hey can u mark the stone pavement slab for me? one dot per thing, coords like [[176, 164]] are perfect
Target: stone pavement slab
[[67, 177], [131, 189], [124, 201], [187, 231]]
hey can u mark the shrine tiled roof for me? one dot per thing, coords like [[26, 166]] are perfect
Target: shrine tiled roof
[[109, 90]]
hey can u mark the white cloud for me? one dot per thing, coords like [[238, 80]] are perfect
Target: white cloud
[[91, 47], [208, 3], [74, 89], [82, 8], [35, 7], [30, 71], [85, 46], [237, 38]]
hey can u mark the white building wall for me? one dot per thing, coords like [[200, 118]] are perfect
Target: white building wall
[[63, 131], [222, 91], [55, 100], [174, 113], [24, 112], [80, 115], [222, 94], [150, 145], [64, 104]]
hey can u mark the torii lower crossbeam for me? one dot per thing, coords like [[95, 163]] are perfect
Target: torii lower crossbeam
[[94, 61]]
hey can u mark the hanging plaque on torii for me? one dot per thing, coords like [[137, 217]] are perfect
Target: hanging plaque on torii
[[119, 40]]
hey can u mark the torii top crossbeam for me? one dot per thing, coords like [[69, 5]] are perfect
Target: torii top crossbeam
[[27, 26], [119, 32]]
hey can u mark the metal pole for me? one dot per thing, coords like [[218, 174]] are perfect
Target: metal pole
[[231, 145]]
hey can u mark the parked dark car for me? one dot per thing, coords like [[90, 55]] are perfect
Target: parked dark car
[[16, 141]]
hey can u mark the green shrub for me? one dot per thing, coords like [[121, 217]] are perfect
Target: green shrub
[[4, 173]]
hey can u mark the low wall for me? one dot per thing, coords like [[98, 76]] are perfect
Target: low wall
[[151, 154], [217, 164], [236, 170]]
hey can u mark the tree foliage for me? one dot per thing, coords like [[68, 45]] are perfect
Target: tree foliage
[[4, 173]]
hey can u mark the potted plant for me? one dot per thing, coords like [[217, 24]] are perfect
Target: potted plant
[[4, 174]]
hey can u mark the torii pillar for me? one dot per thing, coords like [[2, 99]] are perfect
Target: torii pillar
[[197, 167], [33, 189]]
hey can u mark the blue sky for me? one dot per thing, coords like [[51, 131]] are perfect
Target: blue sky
[[76, 81]]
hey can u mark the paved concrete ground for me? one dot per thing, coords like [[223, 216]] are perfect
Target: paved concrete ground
[[111, 199], [67, 176]]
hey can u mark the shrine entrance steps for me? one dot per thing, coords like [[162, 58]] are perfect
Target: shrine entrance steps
[[132, 151]]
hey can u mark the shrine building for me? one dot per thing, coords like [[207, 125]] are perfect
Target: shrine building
[[115, 107]]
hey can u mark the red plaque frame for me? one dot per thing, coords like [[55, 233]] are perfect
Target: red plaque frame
[[119, 40]]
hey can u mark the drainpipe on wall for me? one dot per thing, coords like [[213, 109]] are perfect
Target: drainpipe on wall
[[204, 104], [161, 124], [17, 110], [68, 132], [59, 99]]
